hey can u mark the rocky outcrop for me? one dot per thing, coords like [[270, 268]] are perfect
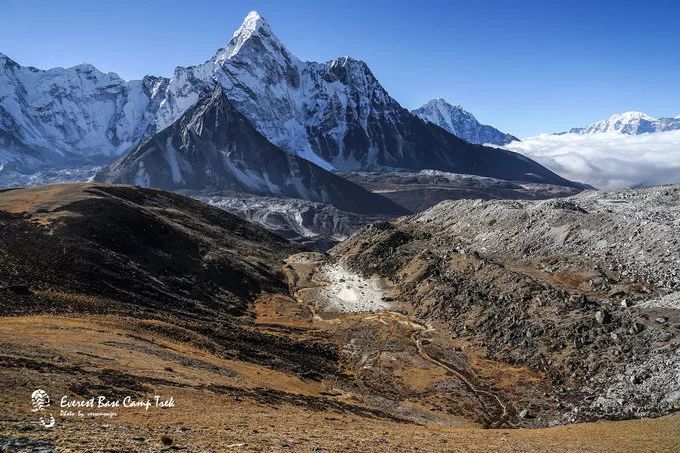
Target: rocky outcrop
[[567, 287]]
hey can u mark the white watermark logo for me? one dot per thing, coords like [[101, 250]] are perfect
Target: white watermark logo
[[93, 407], [40, 401]]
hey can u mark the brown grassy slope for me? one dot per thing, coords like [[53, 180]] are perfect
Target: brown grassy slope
[[115, 290], [229, 405], [140, 246], [147, 254]]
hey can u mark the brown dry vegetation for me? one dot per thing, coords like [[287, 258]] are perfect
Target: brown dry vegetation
[[227, 405], [248, 370]]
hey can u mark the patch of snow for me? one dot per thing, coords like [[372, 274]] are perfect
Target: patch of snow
[[171, 157], [314, 158], [671, 301], [142, 177], [349, 292]]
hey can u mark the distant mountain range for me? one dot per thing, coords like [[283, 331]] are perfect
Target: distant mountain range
[[630, 123], [461, 123], [71, 115], [335, 115]]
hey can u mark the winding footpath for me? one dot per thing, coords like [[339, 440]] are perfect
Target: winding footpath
[[422, 328], [341, 286]]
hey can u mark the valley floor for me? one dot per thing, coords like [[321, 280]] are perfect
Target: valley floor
[[406, 390]]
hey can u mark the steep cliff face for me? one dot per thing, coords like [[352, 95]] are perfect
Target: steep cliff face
[[213, 146]]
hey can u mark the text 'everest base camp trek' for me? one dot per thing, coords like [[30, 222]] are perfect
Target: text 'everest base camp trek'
[[261, 253]]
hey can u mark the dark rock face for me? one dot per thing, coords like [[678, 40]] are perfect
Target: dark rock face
[[214, 146], [381, 135], [433, 147]]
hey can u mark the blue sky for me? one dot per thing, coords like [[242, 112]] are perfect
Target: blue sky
[[524, 67]]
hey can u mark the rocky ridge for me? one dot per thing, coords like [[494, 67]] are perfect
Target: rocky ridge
[[213, 146], [562, 286], [422, 190], [461, 123]]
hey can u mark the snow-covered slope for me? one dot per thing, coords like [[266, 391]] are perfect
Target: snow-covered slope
[[334, 114], [213, 146], [70, 115], [631, 123], [461, 123]]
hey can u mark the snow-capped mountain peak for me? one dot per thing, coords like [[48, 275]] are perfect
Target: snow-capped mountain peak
[[447, 109], [348, 61], [251, 23], [461, 123], [636, 114], [334, 114], [630, 123], [630, 116], [254, 27]]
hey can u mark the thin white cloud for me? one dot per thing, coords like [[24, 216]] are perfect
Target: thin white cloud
[[608, 161]]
